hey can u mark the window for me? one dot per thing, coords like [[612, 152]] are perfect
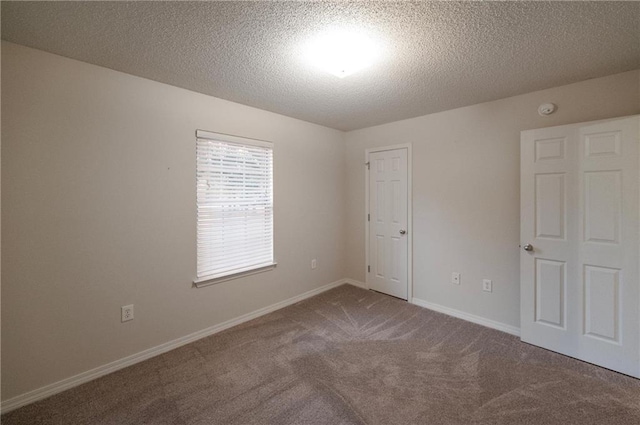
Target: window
[[234, 206]]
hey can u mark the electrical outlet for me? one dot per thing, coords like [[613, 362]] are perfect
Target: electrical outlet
[[126, 313], [487, 285], [455, 278], [314, 263]]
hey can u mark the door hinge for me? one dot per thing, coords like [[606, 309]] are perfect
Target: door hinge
[[369, 269], [367, 164], [368, 217]]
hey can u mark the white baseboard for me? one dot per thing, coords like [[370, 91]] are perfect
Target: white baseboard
[[81, 378], [356, 283], [468, 317]]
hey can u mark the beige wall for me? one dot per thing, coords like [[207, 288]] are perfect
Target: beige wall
[[466, 189], [99, 207], [98, 174]]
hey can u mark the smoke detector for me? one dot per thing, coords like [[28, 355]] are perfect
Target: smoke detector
[[546, 109]]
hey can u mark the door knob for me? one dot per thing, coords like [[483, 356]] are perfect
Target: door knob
[[528, 247], [402, 232]]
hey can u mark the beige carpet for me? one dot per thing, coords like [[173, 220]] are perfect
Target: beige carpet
[[350, 356]]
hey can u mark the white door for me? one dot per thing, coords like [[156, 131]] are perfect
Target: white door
[[388, 240], [580, 228]]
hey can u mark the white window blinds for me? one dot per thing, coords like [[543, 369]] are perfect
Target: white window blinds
[[235, 205]]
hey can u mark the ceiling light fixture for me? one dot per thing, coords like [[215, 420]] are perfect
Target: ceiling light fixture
[[342, 52]]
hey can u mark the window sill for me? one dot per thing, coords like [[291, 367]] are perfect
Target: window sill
[[207, 281]]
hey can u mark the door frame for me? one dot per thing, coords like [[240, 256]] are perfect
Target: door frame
[[367, 153]]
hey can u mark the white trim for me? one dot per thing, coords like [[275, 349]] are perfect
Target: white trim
[[367, 152], [81, 378], [207, 281], [503, 327], [238, 140], [357, 283]]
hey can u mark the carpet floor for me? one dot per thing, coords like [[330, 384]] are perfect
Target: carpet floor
[[349, 356]]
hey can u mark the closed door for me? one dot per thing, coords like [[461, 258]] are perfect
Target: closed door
[[388, 241], [580, 247]]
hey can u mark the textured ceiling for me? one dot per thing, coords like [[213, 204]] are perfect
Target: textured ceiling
[[436, 56]]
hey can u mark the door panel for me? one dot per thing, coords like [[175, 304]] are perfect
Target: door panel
[[550, 287], [580, 211], [388, 249], [603, 199], [602, 302], [550, 206], [550, 149], [379, 259]]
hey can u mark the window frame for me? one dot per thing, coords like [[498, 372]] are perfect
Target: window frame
[[248, 270]]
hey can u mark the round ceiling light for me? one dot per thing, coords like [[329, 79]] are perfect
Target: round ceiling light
[[342, 52]]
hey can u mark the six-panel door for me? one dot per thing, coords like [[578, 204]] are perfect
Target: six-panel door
[[388, 259]]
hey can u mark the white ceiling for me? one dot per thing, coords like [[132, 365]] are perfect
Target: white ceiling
[[436, 56]]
